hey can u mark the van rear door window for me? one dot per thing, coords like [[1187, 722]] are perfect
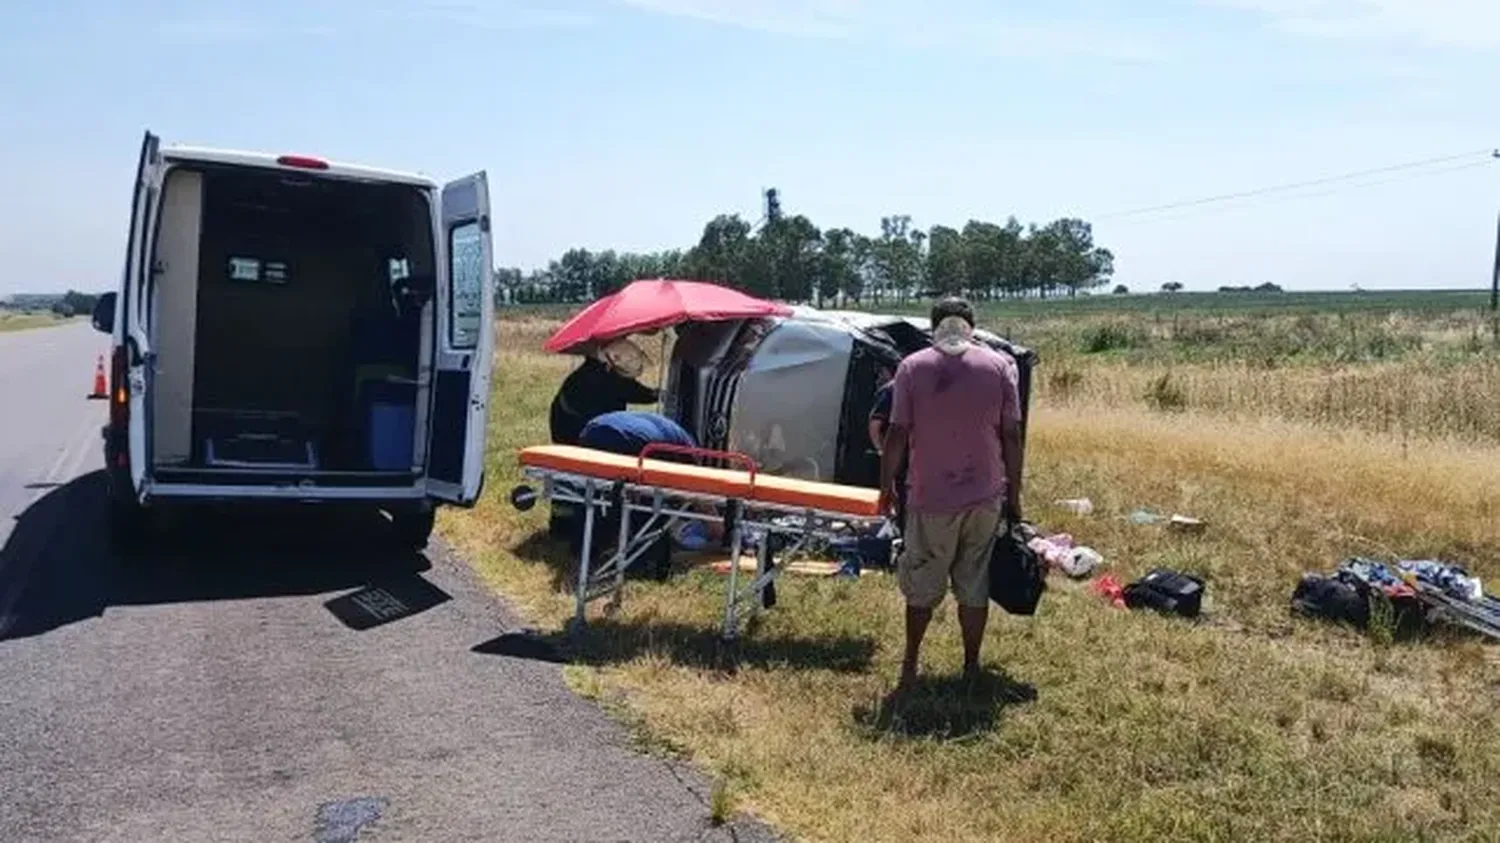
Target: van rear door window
[[257, 270], [466, 263], [244, 269]]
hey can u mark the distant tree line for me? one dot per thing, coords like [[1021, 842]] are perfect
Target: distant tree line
[[70, 303], [791, 259], [1267, 287], [74, 303]]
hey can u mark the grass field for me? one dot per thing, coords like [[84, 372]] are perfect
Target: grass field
[[1103, 724], [21, 320]]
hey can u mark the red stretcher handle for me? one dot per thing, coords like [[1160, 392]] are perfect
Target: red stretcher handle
[[707, 453]]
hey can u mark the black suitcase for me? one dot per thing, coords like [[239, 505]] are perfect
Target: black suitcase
[[1017, 576], [1168, 592]]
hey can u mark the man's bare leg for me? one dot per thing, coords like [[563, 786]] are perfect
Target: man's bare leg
[[971, 622], [916, 628]]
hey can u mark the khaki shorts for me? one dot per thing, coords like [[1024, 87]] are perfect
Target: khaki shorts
[[951, 547]]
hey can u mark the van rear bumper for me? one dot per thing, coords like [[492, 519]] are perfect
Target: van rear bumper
[[230, 486], [254, 478], [293, 494]]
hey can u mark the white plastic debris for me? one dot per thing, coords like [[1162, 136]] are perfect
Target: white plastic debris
[[1184, 524], [1077, 506]]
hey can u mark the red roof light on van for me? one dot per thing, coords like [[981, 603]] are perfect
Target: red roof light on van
[[302, 162]]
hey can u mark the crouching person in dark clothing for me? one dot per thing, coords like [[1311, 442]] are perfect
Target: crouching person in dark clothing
[[880, 423], [629, 433], [605, 383]]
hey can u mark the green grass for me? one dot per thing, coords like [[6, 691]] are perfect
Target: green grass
[[1240, 303], [1273, 329], [1150, 303], [1097, 723]]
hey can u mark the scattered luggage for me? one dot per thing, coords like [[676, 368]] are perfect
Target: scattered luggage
[[1452, 596], [1332, 598], [1017, 575], [1420, 593], [1168, 592]]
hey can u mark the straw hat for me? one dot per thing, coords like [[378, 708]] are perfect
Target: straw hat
[[624, 357]]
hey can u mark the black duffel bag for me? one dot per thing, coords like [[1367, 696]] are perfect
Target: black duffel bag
[[1017, 575], [1167, 592]]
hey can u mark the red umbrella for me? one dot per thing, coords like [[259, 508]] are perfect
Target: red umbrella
[[650, 305]]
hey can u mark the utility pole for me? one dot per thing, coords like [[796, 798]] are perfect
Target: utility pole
[[1495, 276], [1495, 287], [773, 216], [1495, 281]]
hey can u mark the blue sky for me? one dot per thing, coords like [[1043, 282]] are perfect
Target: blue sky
[[628, 123]]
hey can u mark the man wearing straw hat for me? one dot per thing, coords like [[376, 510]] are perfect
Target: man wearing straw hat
[[606, 382]]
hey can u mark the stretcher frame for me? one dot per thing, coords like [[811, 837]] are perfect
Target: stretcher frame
[[668, 507], [1481, 616]]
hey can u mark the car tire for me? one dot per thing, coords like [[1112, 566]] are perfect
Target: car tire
[[413, 527], [129, 529]]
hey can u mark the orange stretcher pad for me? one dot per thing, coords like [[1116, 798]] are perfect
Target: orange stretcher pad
[[721, 482]]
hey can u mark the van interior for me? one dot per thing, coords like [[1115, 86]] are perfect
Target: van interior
[[289, 323]]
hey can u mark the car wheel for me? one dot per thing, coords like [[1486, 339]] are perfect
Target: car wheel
[[129, 528], [413, 527]]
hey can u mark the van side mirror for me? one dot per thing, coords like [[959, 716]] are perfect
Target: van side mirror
[[104, 313]]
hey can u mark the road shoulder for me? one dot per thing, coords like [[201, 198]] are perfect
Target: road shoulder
[[484, 606]]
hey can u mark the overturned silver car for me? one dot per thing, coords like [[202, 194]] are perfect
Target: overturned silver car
[[795, 393]]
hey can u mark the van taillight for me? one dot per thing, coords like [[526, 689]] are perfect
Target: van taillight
[[302, 162], [119, 383]]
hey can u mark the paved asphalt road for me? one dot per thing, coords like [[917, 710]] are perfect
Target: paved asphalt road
[[233, 687]]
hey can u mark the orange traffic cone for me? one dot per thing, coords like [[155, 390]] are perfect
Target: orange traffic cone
[[101, 389]]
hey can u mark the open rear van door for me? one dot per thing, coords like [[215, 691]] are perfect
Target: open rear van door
[[465, 344], [133, 356]]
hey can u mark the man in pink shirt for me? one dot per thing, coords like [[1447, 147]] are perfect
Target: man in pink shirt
[[956, 415]]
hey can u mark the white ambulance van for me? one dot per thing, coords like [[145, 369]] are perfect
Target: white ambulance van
[[290, 330]]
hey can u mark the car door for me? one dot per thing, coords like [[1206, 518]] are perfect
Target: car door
[[136, 311], [465, 344]]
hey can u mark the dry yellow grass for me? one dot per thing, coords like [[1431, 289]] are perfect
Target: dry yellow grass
[[1418, 398], [20, 321], [1248, 726]]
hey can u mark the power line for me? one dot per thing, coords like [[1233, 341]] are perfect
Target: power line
[[1246, 194], [1315, 194]]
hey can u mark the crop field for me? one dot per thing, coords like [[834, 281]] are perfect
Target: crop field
[[1302, 431]]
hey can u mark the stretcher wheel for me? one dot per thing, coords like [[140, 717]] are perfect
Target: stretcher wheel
[[523, 498]]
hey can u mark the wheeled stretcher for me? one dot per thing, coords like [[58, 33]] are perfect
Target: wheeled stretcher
[[666, 493]]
